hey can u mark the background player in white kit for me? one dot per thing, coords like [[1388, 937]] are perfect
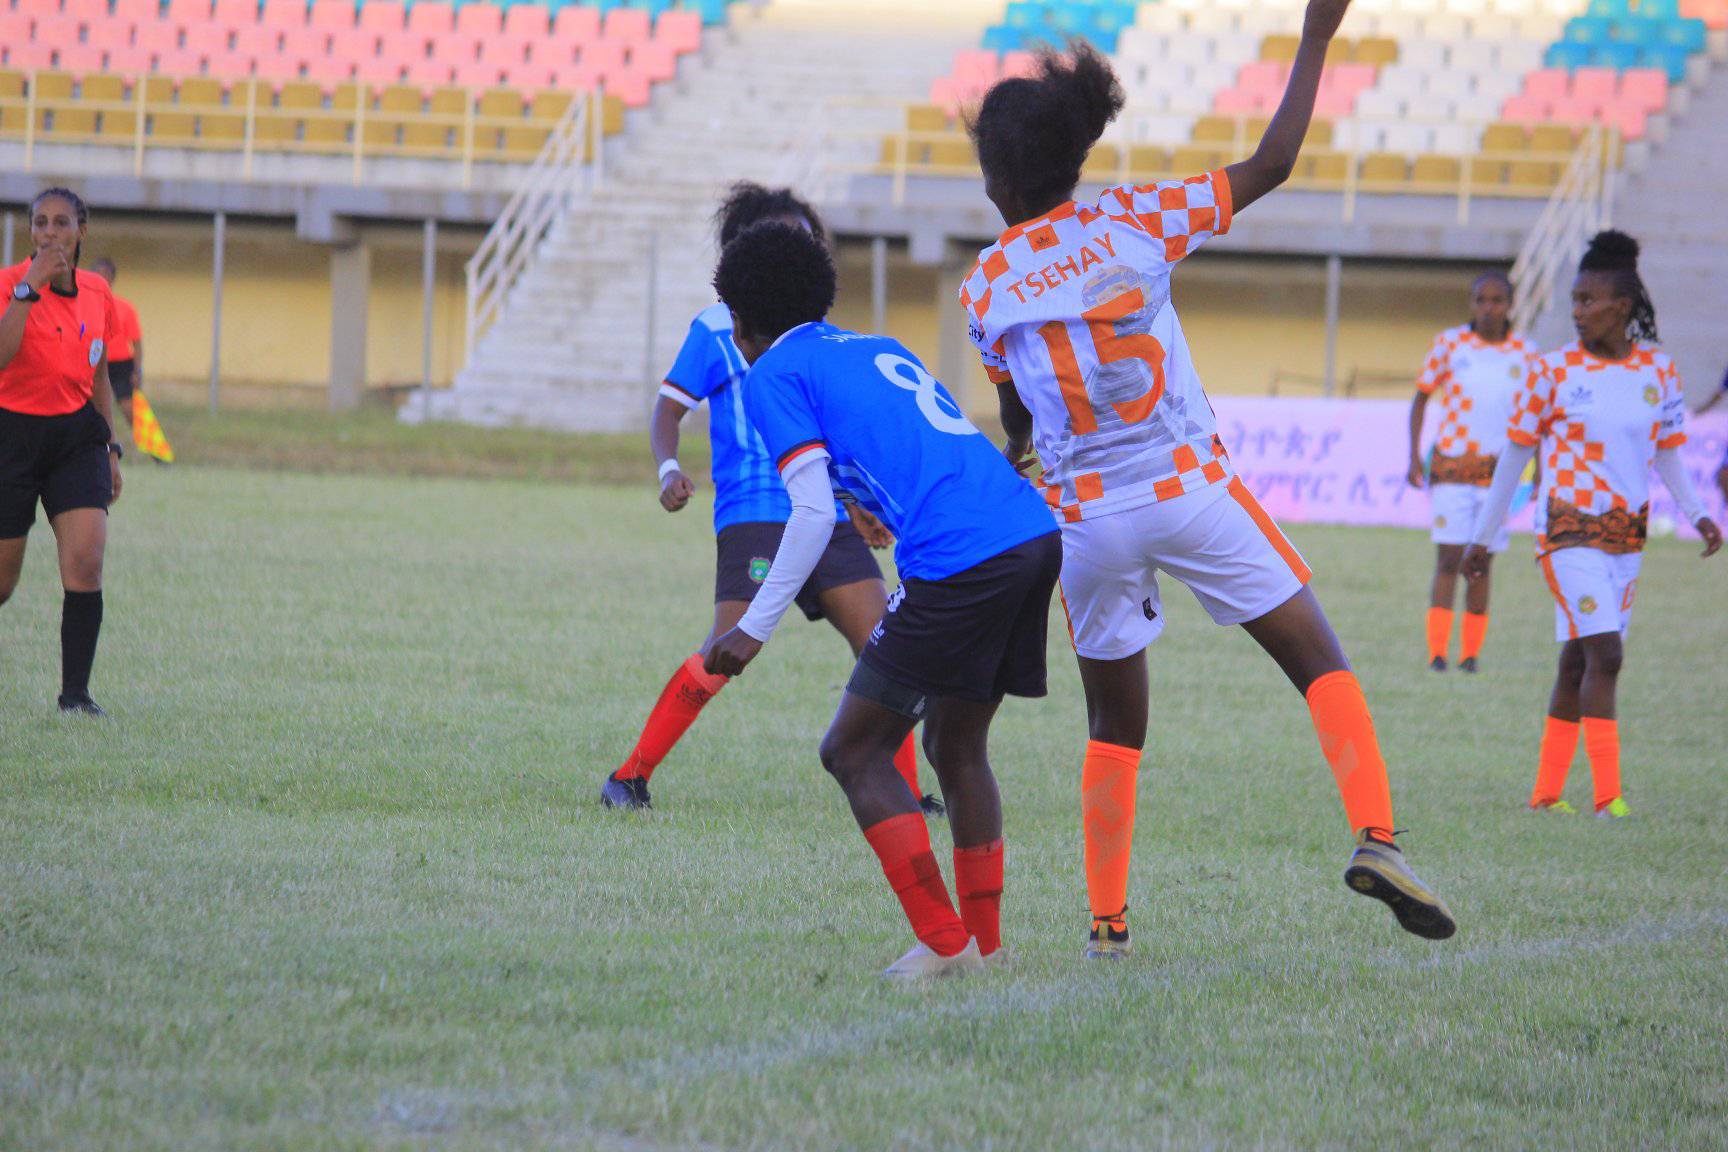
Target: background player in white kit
[[1071, 312], [1476, 368]]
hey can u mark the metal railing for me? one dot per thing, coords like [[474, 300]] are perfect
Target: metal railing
[[570, 165], [149, 117], [1580, 206]]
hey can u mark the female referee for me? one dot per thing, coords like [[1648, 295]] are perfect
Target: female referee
[[750, 513], [57, 441], [1072, 314], [1607, 408]]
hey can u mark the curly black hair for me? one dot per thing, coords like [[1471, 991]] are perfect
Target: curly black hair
[[1615, 254], [79, 209], [1033, 135], [775, 277], [748, 204]]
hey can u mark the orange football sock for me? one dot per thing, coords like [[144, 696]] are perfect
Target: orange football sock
[[1475, 630], [978, 886], [1602, 745], [906, 763], [680, 702], [1347, 740], [1439, 632], [1107, 783], [1559, 742], [902, 844]]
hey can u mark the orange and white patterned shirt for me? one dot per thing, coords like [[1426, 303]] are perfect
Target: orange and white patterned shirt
[[1603, 422], [1476, 381], [1074, 307]]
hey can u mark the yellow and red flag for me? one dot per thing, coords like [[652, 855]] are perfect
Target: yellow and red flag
[[147, 432]]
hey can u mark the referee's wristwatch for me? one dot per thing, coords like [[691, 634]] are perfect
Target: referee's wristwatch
[[22, 291], [119, 452]]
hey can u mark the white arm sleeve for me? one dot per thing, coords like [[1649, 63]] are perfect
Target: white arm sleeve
[[1672, 469], [1507, 472], [807, 534]]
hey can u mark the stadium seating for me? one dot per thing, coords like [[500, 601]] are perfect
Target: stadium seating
[[471, 80]]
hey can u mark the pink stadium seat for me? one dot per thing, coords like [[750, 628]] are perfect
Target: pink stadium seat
[[79, 59], [1525, 109], [225, 66], [179, 62], [532, 77], [356, 44], [977, 63], [15, 27], [480, 20], [331, 14], [236, 14], [657, 62], [1236, 102], [188, 12], [631, 87], [1262, 76], [432, 17], [208, 40], [257, 42], [631, 25], [284, 13], [552, 56], [1629, 119], [127, 61], [608, 58], [576, 24], [1331, 104], [328, 70], [1018, 64], [1597, 84], [1352, 78], [1548, 83], [89, 11], [679, 31], [504, 51], [1574, 110], [307, 44], [576, 77], [384, 15], [56, 31], [379, 72], [404, 46], [478, 74], [527, 22], [136, 11], [105, 34], [278, 68], [29, 57], [157, 38], [1645, 88], [945, 93]]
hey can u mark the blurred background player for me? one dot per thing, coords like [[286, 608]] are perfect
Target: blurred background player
[[126, 373], [57, 442], [977, 555], [750, 512], [1607, 408], [1721, 469], [1476, 368], [1071, 312]]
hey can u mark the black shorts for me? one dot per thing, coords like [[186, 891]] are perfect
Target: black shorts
[[978, 635], [121, 375], [60, 460], [746, 552]]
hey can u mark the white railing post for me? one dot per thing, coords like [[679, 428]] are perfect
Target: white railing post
[[1578, 206]]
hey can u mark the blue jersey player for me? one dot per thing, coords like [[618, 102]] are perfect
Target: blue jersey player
[[750, 512], [978, 553]]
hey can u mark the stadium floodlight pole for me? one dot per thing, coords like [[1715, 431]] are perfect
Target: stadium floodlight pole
[[879, 284], [1334, 281], [428, 287], [221, 242]]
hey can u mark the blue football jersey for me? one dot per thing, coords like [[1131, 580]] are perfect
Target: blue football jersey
[[747, 487], [898, 442]]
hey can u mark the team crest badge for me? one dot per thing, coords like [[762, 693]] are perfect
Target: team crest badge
[[96, 350], [1439, 521], [1651, 395], [759, 566], [1587, 604]]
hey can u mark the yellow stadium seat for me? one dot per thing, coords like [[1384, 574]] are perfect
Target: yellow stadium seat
[[1533, 174], [1319, 135], [399, 99], [347, 99], [72, 123], [200, 93], [1505, 138], [1384, 168], [1553, 139], [1103, 165], [1326, 169], [272, 130], [500, 104], [1279, 48], [1376, 50], [299, 94], [1337, 52], [12, 89], [448, 102], [1437, 170], [222, 129], [11, 85], [611, 115], [119, 117], [953, 154], [327, 133], [102, 89], [379, 133], [926, 118], [53, 86], [422, 138], [1214, 130], [173, 128], [549, 106], [1488, 173], [1146, 162], [1193, 160], [891, 151], [524, 142]]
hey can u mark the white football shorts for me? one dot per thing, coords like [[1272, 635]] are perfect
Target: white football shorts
[[1593, 591], [1455, 507], [1218, 541]]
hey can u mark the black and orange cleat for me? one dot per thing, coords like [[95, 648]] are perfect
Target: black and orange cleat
[[1109, 938], [1377, 869]]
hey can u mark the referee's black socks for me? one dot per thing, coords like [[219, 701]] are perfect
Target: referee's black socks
[[80, 624]]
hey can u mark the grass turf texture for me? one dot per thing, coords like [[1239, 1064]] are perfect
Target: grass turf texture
[[333, 874]]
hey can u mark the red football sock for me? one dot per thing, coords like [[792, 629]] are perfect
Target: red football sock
[[906, 763], [680, 702], [978, 884], [902, 844]]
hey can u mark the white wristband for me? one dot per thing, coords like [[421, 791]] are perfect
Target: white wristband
[[667, 467]]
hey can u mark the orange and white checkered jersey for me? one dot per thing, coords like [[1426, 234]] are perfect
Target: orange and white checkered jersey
[[1601, 423], [1476, 381], [1074, 307]]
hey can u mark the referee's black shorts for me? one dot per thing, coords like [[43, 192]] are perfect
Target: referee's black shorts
[[61, 461]]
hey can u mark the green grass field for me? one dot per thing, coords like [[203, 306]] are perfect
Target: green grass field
[[333, 874]]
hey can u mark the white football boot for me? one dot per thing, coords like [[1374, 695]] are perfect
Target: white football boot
[[923, 962]]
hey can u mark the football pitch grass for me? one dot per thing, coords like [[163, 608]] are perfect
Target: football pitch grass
[[333, 873]]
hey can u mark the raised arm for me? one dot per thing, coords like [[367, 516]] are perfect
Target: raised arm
[[1275, 158]]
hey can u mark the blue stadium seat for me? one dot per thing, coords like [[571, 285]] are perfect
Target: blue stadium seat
[[1588, 30], [1609, 9], [1569, 56], [1671, 60], [1617, 56]]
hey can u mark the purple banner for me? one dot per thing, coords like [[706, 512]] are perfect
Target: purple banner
[[1344, 461]]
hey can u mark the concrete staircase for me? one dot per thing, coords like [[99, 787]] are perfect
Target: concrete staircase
[[1672, 206], [597, 319]]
